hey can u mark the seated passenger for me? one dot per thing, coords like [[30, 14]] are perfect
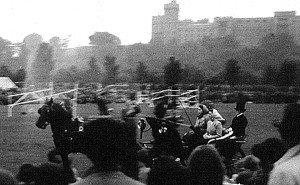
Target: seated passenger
[[210, 105], [214, 128], [201, 120]]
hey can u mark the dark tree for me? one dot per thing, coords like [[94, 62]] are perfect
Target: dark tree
[[269, 75], [141, 73], [6, 51], [43, 64], [111, 70], [287, 73], [104, 38], [5, 72], [93, 73], [32, 42], [71, 74], [20, 76], [58, 43], [172, 72], [192, 75], [156, 78], [232, 71]]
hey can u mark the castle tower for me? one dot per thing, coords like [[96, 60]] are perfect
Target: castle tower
[[164, 27], [171, 11]]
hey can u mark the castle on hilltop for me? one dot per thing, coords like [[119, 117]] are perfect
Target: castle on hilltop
[[168, 28]]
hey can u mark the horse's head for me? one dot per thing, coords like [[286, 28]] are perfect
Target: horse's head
[[54, 112], [45, 114]]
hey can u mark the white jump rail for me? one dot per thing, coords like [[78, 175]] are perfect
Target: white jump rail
[[41, 98], [25, 95], [112, 86], [185, 99], [141, 98]]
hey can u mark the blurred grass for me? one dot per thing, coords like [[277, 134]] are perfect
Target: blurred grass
[[22, 142]]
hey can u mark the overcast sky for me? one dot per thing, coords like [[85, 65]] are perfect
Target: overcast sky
[[130, 20]]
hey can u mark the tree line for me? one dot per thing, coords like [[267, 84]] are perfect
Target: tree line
[[207, 61]]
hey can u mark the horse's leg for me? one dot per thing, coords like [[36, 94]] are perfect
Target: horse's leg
[[52, 156], [65, 159], [67, 165], [61, 148]]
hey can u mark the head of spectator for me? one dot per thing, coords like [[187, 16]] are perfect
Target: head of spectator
[[205, 166], [166, 170], [108, 142], [45, 174], [250, 162], [247, 167], [7, 178], [269, 151], [289, 128]]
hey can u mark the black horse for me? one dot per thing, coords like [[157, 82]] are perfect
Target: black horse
[[67, 133]]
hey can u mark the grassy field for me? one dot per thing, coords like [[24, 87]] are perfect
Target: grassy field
[[22, 142]]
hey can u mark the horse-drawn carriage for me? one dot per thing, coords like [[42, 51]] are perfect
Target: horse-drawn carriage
[[68, 135], [167, 141]]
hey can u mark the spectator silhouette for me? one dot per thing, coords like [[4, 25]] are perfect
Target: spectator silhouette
[[205, 166], [167, 171], [7, 178], [247, 168], [287, 169], [145, 161], [268, 152], [45, 174], [107, 145]]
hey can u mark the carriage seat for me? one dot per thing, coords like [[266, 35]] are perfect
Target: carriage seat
[[226, 136]]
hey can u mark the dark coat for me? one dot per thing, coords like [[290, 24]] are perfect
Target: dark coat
[[239, 124]]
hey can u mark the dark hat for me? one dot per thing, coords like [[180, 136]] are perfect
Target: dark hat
[[240, 106]]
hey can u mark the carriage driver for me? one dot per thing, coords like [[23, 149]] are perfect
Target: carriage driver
[[239, 121]]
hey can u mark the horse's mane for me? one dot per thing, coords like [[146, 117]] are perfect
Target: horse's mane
[[59, 102], [60, 106]]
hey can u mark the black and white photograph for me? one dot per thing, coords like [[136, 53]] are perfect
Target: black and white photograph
[[149, 92]]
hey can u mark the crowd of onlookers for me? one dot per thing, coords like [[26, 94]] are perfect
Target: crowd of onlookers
[[111, 146]]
